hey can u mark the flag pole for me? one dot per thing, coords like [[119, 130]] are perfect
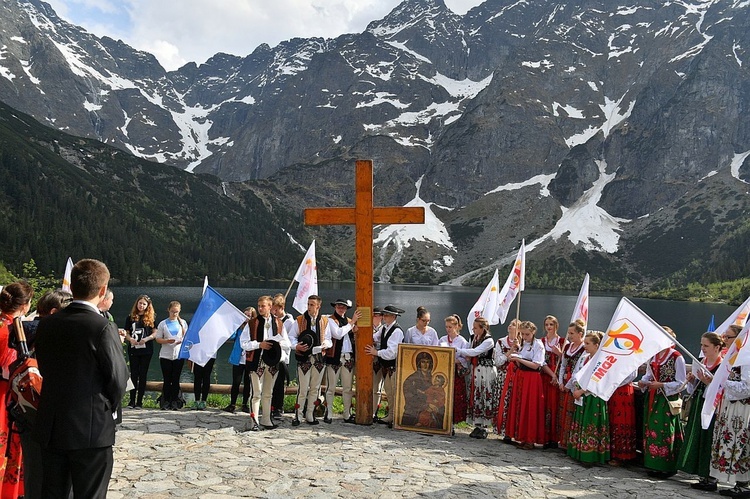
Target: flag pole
[[677, 343], [288, 289], [518, 306], [664, 332]]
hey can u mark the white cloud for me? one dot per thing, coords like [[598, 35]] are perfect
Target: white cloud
[[177, 31]]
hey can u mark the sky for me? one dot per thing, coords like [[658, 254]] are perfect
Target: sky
[[181, 31]]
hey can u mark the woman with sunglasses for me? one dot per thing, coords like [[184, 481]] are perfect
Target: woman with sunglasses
[[140, 334]]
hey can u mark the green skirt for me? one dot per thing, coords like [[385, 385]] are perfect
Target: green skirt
[[662, 436], [695, 455], [588, 440]]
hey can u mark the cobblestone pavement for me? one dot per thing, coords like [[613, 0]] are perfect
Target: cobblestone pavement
[[211, 454]]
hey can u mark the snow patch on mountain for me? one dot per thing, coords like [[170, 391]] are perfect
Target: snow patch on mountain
[[571, 111], [404, 48], [448, 111], [736, 46], [587, 224], [543, 180], [401, 235], [614, 114], [5, 72], [464, 89], [26, 66], [381, 98], [737, 161]]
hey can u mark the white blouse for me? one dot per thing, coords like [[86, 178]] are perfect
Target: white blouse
[[415, 337], [457, 343]]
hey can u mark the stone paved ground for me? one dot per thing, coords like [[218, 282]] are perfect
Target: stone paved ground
[[210, 454]]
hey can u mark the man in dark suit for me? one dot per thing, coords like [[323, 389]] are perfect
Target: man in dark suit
[[80, 358]]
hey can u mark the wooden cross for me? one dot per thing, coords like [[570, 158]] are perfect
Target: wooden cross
[[363, 216]]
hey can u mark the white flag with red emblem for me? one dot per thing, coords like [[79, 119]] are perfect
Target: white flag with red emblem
[[632, 339], [307, 277], [513, 285], [581, 310]]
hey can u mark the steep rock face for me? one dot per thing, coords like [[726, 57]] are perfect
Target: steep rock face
[[564, 123]]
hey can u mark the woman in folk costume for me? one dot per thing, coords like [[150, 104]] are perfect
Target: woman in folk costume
[[695, 455], [588, 440], [15, 301], [503, 387], [454, 340], [662, 433], [571, 353], [526, 412], [730, 451], [482, 405], [553, 345], [623, 437]]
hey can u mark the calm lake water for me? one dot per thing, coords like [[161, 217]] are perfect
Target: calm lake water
[[688, 319]]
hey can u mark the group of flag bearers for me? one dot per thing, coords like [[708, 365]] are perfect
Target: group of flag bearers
[[579, 393], [576, 393]]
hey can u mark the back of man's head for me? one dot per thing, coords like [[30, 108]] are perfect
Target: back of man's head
[[87, 278]]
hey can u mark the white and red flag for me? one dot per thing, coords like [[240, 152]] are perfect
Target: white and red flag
[[632, 339], [307, 277], [515, 283], [581, 310]]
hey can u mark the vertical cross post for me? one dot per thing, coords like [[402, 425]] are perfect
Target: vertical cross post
[[363, 216]]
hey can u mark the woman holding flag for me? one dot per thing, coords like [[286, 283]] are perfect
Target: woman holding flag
[[662, 436], [588, 440], [571, 353], [695, 455]]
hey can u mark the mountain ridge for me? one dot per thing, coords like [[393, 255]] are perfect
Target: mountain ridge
[[583, 127]]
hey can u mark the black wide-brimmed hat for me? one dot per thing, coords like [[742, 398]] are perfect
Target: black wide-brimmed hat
[[306, 338], [341, 301], [377, 311], [392, 310], [272, 356]]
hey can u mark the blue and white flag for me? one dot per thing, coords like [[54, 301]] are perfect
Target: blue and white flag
[[213, 323]]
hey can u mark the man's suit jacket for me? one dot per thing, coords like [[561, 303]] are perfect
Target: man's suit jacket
[[80, 358]]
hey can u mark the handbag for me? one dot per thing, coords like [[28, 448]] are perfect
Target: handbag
[[675, 406]]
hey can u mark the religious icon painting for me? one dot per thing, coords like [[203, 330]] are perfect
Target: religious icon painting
[[424, 389]]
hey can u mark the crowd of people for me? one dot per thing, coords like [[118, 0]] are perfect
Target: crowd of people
[[518, 386]]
